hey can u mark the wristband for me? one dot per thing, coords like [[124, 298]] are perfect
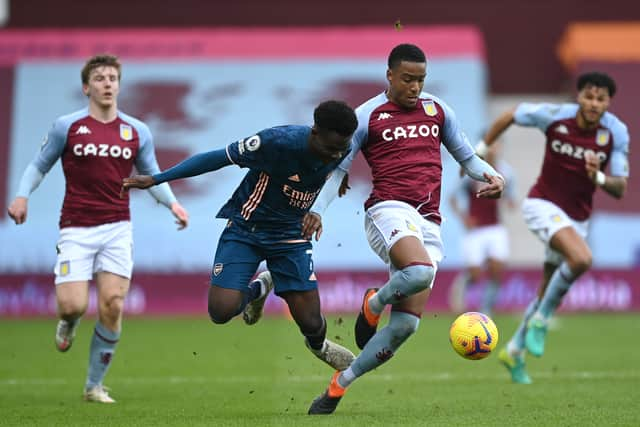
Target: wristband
[[600, 178]]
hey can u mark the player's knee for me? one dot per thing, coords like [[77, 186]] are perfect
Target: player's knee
[[419, 276], [71, 309], [219, 317], [312, 326], [113, 306], [580, 263]]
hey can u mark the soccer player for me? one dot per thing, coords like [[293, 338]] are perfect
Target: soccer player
[[288, 165], [98, 147], [485, 244], [582, 138], [400, 132]]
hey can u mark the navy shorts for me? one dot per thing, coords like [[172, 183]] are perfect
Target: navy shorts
[[240, 252]]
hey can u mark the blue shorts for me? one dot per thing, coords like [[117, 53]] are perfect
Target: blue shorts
[[240, 252]]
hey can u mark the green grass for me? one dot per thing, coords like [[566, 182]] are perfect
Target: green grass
[[189, 372]]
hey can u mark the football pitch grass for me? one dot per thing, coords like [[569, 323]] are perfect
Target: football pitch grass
[[189, 372]]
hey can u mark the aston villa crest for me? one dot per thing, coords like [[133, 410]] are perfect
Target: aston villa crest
[[602, 137], [126, 133], [429, 108]]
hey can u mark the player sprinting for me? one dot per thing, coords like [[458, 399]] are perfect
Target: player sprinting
[[582, 138], [485, 243], [98, 147], [400, 132], [287, 167]]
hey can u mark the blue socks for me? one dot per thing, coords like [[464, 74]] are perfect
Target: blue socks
[[515, 347], [559, 285], [382, 346], [103, 345]]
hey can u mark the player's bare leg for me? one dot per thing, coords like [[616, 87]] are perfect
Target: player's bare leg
[[225, 304], [72, 300], [112, 290], [305, 309], [577, 260]]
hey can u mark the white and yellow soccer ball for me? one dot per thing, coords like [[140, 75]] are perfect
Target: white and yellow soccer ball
[[473, 335]]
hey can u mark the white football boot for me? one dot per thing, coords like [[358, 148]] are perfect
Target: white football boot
[[98, 394], [334, 355], [65, 333], [253, 310]]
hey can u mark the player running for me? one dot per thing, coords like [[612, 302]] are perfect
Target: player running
[[288, 165], [400, 132], [582, 138], [98, 147]]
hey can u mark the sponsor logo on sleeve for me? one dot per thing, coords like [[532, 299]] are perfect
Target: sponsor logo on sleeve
[[253, 143], [249, 144]]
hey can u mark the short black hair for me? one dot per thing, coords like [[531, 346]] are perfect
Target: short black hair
[[405, 52], [597, 79], [335, 116]]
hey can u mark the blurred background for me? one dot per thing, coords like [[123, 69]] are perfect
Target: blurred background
[[203, 74]]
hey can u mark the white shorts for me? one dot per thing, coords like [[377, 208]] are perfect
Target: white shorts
[[83, 251], [486, 242], [387, 222], [544, 219]]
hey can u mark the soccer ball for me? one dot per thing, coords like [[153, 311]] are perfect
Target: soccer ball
[[473, 335]]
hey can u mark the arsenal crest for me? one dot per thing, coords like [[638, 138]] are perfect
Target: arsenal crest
[[217, 269]]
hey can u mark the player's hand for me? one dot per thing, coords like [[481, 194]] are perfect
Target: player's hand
[[493, 189], [181, 214], [18, 210], [344, 185], [592, 165], [311, 223], [136, 181]]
